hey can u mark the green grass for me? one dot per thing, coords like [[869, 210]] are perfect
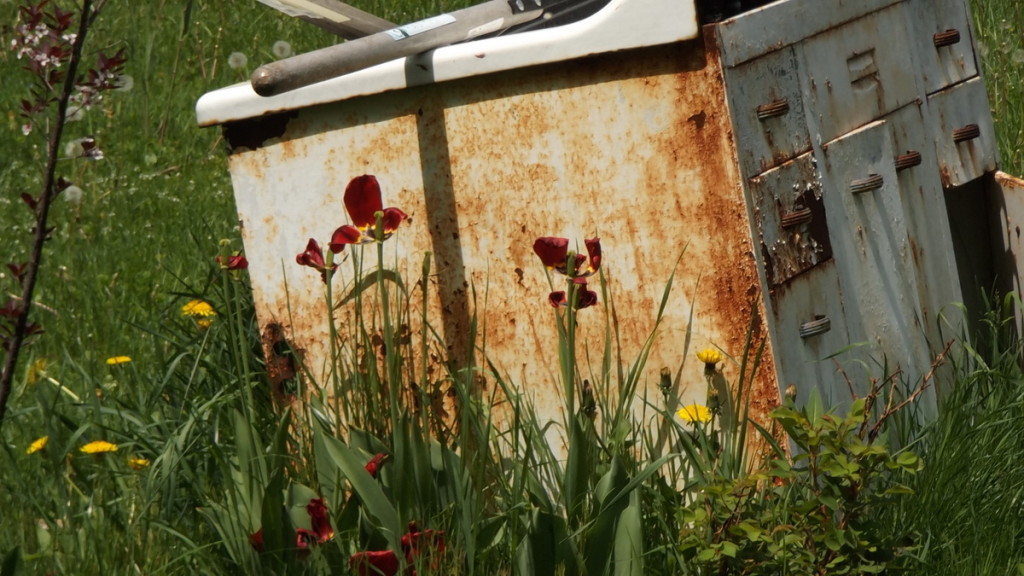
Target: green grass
[[142, 243]]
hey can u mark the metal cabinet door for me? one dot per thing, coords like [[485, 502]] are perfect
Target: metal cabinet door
[[940, 33], [872, 248], [962, 129], [767, 111], [927, 221], [812, 338], [789, 219], [858, 72]]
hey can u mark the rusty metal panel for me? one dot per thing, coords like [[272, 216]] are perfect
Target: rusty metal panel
[[964, 136], [872, 247], [781, 24], [857, 73], [485, 165], [940, 33], [790, 219], [927, 221], [767, 111]]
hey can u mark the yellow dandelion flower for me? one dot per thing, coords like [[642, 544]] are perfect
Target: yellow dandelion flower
[[694, 413], [98, 447], [709, 356], [37, 445], [36, 370], [198, 308], [138, 463], [201, 312], [115, 360]]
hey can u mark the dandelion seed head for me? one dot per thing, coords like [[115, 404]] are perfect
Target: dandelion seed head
[[74, 114], [237, 60], [124, 83], [74, 149], [282, 49], [73, 194]]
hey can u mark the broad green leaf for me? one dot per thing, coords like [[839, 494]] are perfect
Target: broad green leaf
[[369, 491], [729, 549], [629, 540], [707, 554]]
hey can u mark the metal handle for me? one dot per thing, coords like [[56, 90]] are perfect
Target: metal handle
[[796, 217], [947, 38], [819, 325], [773, 109], [872, 182], [909, 160], [968, 132], [407, 40]]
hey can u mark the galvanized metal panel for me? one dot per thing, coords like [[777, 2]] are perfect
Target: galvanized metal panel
[[484, 166], [790, 219], [1007, 206], [857, 73], [964, 137], [940, 33], [872, 248], [927, 221], [767, 111], [781, 24], [808, 315]]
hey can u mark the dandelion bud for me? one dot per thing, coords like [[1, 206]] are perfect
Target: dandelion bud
[[665, 383], [791, 392], [713, 401]]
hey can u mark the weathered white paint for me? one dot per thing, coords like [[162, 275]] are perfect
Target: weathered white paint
[[620, 25]]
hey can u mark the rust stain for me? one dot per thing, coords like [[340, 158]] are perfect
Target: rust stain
[[634, 147], [282, 362]]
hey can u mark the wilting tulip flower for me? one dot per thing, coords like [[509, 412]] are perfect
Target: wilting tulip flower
[[374, 563], [314, 258], [554, 253], [374, 465], [426, 548], [584, 297], [363, 202], [256, 540], [234, 262], [318, 520]]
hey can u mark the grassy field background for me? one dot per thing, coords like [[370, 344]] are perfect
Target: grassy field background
[[153, 211], [142, 242]]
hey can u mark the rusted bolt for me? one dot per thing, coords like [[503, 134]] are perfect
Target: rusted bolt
[[819, 325], [947, 38], [796, 217], [772, 109], [968, 132], [872, 182], [909, 160]]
